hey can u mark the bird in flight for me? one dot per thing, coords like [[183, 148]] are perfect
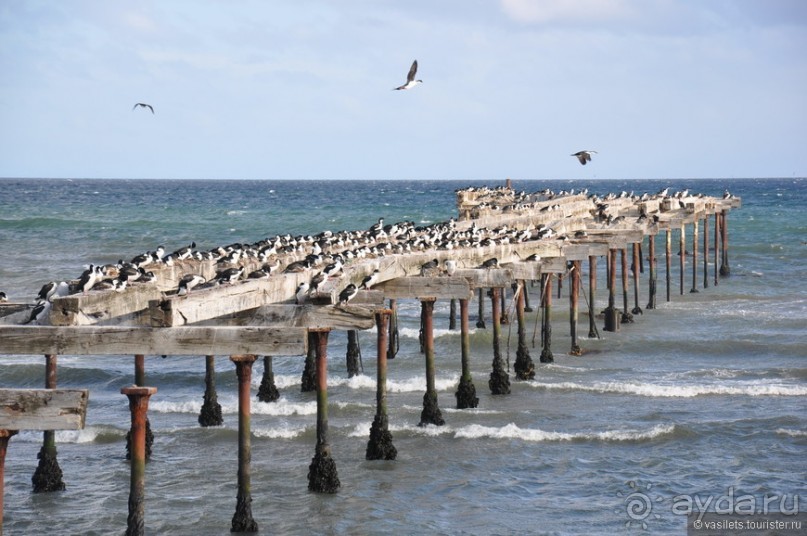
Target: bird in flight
[[143, 105], [583, 156], [410, 78]]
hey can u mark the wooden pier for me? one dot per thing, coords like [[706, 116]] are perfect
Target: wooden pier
[[501, 239]]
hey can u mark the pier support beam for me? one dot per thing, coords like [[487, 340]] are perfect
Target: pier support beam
[[5, 435], [353, 356], [140, 381], [504, 318], [466, 392], [268, 391], [480, 319], [546, 328], [309, 379], [717, 244], [431, 412], [380, 446], [611, 312], [682, 254], [322, 475], [706, 251], [668, 261], [452, 314], [393, 330], [138, 407], [637, 268], [626, 316], [725, 271], [499, 381], [527, 308], [651, 260], [523, 367], [211, 409], [242, 519], [574, 299], [694, 257], [48, 474], [592, 291]]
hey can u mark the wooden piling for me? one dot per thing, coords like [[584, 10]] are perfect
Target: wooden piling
[[138, 407], [527, 308], [431, 412], [546, 330], [592, 292], [504, 318], [626, 316], [242, 519], [717, 246], [725, 270], [651, 260], [682, 253], [694, 257], [308, 381], [636, 270], [574, 297], [353, 355], [210, 415], [5, 435], [380, 446], [611, 313], [523, 367], [322, 474], [499, 382], [668, 261], [48, 474], [393, 329], [452, 314], [466, 392], [480, 319], [268, 392], [706, 251]]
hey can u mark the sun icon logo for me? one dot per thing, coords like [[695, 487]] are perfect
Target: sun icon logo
[[639, 504]]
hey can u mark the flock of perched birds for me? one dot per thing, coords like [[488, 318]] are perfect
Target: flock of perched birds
[[326, 254]]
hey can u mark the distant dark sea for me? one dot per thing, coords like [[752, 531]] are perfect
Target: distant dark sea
[[704, 397]]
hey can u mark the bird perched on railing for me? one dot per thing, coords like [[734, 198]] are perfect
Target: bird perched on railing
[[370, 280], [348, 294]]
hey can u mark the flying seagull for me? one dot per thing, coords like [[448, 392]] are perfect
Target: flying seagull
[[584, 156], [144, 105], [410, 78]]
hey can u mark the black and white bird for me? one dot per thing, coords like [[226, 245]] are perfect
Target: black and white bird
[[429, 266], [143, 105], [490, 263], [584, 156], [3, 297], [39, 313], [188, 282], [370, 280], [410, 78], [316, 281], [54, 288], [348, 294], [301, 294], [89, 278], [230, 275], [333, 269], [451, 266]]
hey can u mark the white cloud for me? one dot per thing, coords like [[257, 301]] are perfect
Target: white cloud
[[544, 11]]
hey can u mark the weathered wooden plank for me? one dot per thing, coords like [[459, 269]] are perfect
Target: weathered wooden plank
[[98, 306], [553, 265], [348, 316], [43, 409], [426, 287], [116, 340], [487, 277]]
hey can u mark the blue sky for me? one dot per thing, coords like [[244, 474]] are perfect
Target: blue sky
[[303, 89]]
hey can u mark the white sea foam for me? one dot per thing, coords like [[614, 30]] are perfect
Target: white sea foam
[[512, 431], [413, 333], [282, 432], [792, 433], [679, 391], [418, 383], [186, 406], [281, 407], [86, 435]]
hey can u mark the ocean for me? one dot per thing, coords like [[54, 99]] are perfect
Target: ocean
[[702, 399]]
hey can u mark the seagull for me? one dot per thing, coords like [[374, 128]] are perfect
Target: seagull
[[348, 294], [144, 105], [410, 78], [583, 156]]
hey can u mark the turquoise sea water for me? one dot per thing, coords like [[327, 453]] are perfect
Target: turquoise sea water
[[704, 396]]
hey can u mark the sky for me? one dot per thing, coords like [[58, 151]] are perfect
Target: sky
[[303, 89]]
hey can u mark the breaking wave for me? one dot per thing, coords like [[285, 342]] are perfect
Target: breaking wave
[[677, 391]]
